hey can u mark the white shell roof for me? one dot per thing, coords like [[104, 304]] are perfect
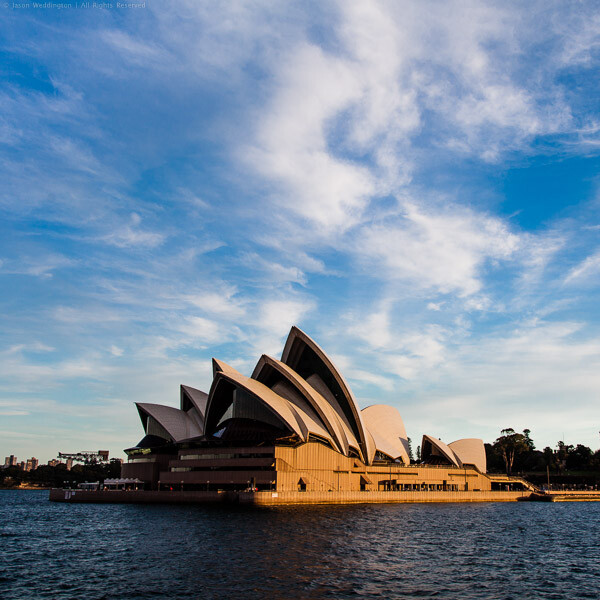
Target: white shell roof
[[470, 451], [338, 429], [219, 365], [366, 442], [295, 418], [198, 398], [443, 449], [177, 423], [385, 425]]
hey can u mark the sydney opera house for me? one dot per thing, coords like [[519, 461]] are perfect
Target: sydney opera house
[[293, 425]]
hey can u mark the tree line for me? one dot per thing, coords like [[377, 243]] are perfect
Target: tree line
[[56, 476], [515, 452]]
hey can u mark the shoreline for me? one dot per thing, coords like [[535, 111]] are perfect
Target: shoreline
[[272, 498], [26, 488], [268, 498]]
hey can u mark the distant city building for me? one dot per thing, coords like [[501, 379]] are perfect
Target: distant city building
[[10, 461], [53, 462], [69, 464], [103, 454], [29, 465]]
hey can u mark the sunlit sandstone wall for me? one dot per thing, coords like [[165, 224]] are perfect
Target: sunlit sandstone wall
[[321, 469], [271, 498]]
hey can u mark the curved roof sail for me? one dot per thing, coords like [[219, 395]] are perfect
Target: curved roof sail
[[294, 418], [431, 446], [470, 451], [197, 399], [317, 384], [270, 369], [176, 423], [387, 428], [304, 356], [193, 402], [219, 365], [218, 403]]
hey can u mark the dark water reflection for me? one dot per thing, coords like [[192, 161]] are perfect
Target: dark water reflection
[[451, 551]]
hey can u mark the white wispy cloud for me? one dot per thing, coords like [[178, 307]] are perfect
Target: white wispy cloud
[[221, 303], [33, 346], [540, 367], [446, 249], [291, 146], [37, 266], [587, 271], [375, 328], [116, 351], [133, 49], [133, 235], [361, 378]]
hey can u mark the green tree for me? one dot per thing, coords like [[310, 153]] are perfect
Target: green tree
[[510, 444], [410, 452], [562, 454], [495, 462], [595, 461], [528, 439], [579, 458]]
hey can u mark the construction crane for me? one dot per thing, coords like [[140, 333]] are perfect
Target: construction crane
[[88, 457]]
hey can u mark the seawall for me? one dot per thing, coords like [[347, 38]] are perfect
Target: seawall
[[273, 498], [567, 496], [279, 498]]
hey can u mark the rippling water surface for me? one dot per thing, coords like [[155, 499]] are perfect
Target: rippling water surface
[[513, 550]]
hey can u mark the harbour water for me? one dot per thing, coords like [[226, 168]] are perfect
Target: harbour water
[[121, 551]]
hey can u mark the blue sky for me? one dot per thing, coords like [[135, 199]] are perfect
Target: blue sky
[[413, 184]]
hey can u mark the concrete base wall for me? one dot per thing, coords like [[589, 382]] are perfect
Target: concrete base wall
[[271, 498], [140, 496], [574, 496], [275, 498]]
